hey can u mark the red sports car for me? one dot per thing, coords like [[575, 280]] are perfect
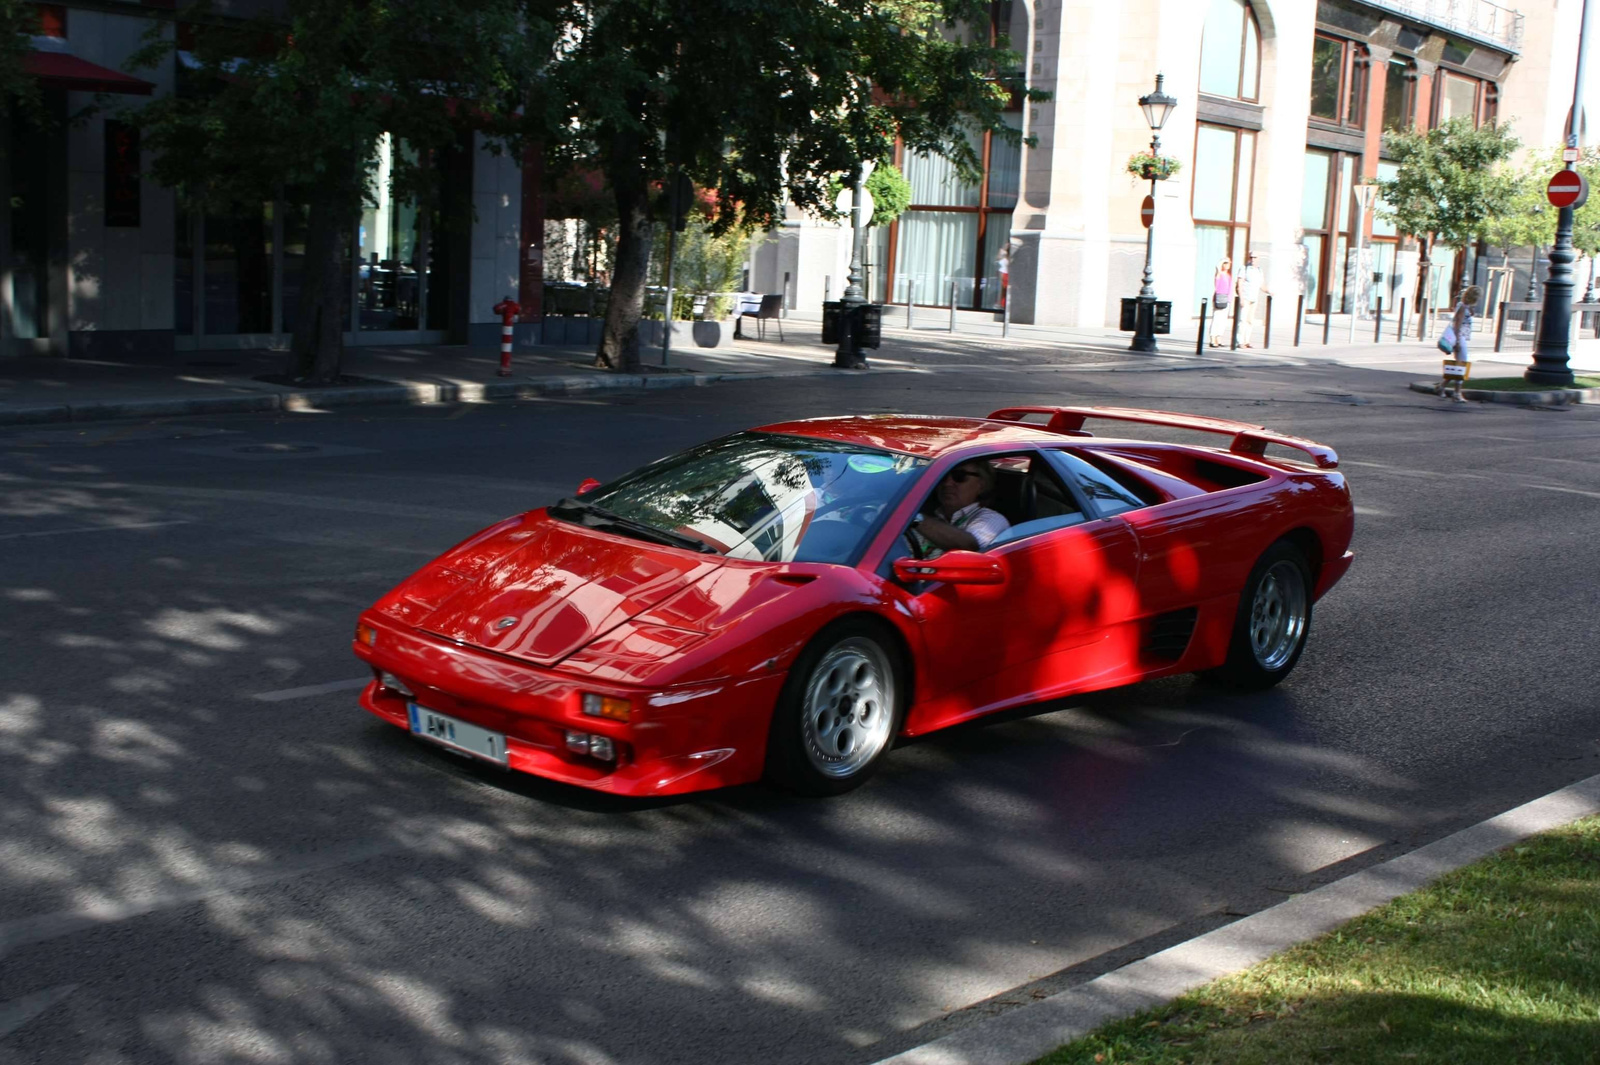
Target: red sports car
[[762, 605]]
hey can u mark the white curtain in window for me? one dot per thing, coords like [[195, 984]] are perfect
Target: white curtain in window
[[934, 248], [935, 183], [1005, 168]]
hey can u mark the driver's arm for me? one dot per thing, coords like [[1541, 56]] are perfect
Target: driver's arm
[[944, 535]]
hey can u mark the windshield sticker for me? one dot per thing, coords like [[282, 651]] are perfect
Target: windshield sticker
[[871, 463]]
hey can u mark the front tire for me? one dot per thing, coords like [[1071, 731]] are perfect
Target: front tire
[[1274, 618], [839, 711]]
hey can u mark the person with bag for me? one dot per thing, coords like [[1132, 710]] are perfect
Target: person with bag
[[1221, 297], [1455, 339]]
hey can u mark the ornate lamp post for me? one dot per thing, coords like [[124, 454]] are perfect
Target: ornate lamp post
[[1157, 106], [1550, 365], [848, 355]]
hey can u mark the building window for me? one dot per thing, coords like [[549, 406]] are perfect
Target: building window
[[1224, 173], [1338, 81], [1230, 51], [1399, 94], [952, 237], [1458, 97], [1327, 208]]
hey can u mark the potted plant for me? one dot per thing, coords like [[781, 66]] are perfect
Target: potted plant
[[1152, 167]]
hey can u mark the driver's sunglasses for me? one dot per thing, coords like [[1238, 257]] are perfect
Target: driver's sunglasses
[[962, 476]]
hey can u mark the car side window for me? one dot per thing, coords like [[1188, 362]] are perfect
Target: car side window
[[1044, 502], [1104, 493]]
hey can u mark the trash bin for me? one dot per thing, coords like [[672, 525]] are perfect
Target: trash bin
[[869, 333], [831, 309]]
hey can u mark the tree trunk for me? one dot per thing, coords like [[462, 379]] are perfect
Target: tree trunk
[[619, 338], [318, 341]]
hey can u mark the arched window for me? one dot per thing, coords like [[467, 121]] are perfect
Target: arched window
[[1230, 51]]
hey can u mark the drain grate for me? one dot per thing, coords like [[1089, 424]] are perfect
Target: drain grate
[[276, 449]]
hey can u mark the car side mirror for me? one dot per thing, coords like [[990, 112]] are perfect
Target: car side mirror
[[952, 567], [588, 484]]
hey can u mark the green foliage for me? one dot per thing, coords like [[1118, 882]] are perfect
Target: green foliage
[[704, 261], [19, 21], [890, 191], [299, 102], [768, 103], [1451, 181]]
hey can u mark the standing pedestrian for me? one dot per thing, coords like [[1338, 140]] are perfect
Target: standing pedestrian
[[1221, 298], [1002, 263], [1249, 291], [1460, 335]]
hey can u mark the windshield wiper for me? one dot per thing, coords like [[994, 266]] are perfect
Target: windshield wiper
[[598, 517]]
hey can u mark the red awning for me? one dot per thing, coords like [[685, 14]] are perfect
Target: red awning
[[57, 70]]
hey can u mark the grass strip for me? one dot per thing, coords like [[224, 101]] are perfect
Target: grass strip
[[1495, 963], [1517, 384]]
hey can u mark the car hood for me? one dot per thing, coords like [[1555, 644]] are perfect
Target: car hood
[[561, 588]]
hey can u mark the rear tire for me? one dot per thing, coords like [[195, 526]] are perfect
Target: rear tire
[[1273, 621], [839, 711]]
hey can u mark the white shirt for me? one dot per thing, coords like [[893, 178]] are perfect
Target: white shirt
[[1250, 284], [983, 524]]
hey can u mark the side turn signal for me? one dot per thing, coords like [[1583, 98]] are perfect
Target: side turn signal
[[607, 706], [367, 634]]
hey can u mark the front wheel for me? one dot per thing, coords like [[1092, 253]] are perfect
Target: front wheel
[[838, 712], [1274, 617]]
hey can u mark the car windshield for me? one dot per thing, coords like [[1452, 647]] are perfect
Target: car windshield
[[765, 496]]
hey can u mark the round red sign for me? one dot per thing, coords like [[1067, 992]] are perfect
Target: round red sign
[[1567, 189], [1147, 211]]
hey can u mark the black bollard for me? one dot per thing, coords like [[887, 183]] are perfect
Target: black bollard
[[1377, 326], [1299, 317], [1200, 337]]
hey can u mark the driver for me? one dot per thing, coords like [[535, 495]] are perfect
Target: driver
[[960, 521]]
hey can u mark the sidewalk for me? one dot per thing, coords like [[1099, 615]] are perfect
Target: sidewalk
[[34, 390], [41, 390]]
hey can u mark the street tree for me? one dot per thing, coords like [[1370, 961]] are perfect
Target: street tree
[[1451, 184], [764, 103], [295, 106], [19, 21]]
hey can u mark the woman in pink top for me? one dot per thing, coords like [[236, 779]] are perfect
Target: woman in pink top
[[1221, 298]]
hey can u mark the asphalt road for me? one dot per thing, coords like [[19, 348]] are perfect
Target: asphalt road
[[209, 854]]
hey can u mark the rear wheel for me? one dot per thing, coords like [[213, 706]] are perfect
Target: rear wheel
[[1274, 618], [839, 711]]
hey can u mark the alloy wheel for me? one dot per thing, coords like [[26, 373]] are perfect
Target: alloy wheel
[[848, 708]]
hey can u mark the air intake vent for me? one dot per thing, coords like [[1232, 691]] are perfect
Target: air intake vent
[[1166, 636]]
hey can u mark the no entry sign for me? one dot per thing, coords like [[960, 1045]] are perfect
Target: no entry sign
[[1147, 211], [1567, 189]]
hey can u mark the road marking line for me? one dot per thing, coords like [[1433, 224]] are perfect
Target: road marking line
[[93, 528], [1569, 491], [23, 931], [19, 1011], [312, 689]]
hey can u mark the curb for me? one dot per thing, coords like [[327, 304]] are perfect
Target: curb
[[1029, 1032], [1554, 396], [414, 393]]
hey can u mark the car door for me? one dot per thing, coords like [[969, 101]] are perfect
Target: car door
[[1051, 627]]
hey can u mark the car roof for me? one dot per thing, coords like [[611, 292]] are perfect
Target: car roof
[[928, 435]]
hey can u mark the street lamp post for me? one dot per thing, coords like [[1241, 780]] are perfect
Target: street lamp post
[[1156, 106], [1364, 192], [849, 355], [1550, 359]]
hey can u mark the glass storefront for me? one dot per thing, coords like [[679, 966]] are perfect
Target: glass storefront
[[1224, 174], [252, 269]]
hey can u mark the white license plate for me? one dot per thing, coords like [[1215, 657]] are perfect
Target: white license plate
[[457, 734]]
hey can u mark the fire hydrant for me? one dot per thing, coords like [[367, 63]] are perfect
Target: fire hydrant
[[508, 310]]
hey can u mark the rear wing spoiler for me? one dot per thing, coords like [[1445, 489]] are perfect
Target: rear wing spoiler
[[1250, 440]]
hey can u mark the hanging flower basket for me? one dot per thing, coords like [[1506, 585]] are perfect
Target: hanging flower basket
[[1152, 167]]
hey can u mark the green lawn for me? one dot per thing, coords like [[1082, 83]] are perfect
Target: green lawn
[[1517, 384], [1494, 964]]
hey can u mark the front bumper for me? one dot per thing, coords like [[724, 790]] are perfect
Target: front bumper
[[679, 739]]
